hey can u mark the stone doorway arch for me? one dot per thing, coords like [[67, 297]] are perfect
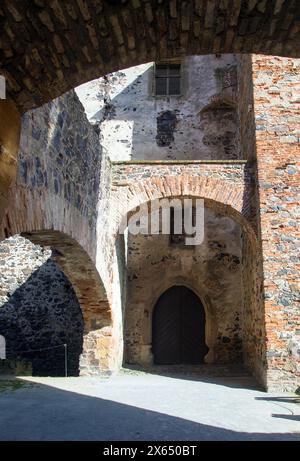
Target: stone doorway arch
[[178, 328], [210, 314]]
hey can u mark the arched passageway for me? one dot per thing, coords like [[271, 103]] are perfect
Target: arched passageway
[[223, 272], [52, 293], [39, 312], [178, 328], [49, 48]]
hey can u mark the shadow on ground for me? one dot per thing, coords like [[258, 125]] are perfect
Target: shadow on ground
[[290, 399], [282, 399], [291, 417], [47, 413]]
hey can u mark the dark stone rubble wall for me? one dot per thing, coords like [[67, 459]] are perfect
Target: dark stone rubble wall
[[38, 309]]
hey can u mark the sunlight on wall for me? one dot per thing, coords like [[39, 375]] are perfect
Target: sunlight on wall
[[117, 137], [92, 94]]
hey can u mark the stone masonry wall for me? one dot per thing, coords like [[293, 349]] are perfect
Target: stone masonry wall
[[200, 123], [254, 332], [60, 152], [276, 87], [38, 309], [238, 173], [224, 182], [62, 187]]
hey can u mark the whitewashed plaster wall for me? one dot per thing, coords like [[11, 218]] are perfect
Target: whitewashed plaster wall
[[126, 111]]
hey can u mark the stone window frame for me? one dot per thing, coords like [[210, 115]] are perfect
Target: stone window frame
[[167, 74], [183, 79]]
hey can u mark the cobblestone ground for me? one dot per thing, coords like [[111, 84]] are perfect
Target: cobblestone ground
[[137, 405]]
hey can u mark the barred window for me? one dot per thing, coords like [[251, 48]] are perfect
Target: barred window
[[167, 79]]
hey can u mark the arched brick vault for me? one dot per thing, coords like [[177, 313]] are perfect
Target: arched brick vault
[[45, 220], [81, 271], [226, 197], [47, 48]]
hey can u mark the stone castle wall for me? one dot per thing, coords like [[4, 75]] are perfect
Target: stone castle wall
[[59, 199], [226, 183], [59, 151], [134, 123], [39, 310]]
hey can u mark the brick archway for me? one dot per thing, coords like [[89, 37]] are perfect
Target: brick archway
[[231, 198], [73, 260], [76, 264], [228, 198], [38, 38]]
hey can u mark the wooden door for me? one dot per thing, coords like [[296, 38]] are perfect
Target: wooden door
[[178, 333]]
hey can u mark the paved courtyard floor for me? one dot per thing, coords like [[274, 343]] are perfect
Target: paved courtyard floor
[[145, 406]]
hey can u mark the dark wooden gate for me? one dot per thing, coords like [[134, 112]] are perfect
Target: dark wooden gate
[[178, 328]]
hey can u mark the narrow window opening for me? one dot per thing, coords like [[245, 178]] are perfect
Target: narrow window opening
[[167, 79]]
